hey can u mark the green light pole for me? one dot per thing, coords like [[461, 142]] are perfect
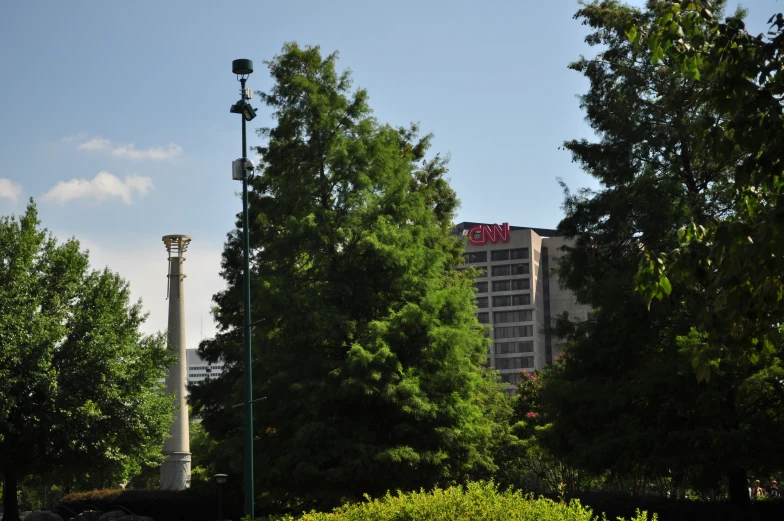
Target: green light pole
[[241, 169]]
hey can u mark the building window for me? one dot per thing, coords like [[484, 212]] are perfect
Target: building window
[[472, 257], [505, 348], [518, 284], [481, 302], [483, 318], [511, 269], [501, 285], [512, 300], [501, 271], [517, 362], [513, 254], [519, 253], [510, 378], [524, 315], [500, 302], [509, 332], [481, 287]]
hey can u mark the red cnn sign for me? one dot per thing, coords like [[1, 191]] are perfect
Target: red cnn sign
[[481, 233]]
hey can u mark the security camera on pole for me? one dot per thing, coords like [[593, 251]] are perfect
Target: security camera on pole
[[241, 169]]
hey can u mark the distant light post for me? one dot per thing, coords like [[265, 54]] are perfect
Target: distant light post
[[241, 169], [220, 479]]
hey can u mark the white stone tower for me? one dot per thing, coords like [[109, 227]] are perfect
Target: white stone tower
[[176, 470]]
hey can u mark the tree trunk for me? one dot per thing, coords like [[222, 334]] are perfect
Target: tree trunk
[[10, 505], [739, 488]]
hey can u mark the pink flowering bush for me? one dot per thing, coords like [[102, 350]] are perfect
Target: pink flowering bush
[[528, 398]]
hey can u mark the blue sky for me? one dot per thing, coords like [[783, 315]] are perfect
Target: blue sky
[[115, 115]]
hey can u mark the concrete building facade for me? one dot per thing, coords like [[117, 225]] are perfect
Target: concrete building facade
[[517, 293]]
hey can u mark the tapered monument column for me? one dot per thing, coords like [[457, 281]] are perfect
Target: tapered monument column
[[176, 470]]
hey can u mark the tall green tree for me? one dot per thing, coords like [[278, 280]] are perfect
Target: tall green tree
[[368, 358], [79, 391], [734, 258], [626, 397]]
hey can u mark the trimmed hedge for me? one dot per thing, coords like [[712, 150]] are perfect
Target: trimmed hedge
[[476, 502], [161, 505]]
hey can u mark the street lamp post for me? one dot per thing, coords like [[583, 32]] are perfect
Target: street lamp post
[[220, 479], [241, 169]]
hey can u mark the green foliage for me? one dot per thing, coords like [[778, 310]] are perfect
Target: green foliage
[[79, 392], [476, 502], [632, 396], [734, 257], [367, 351], [524, 462]]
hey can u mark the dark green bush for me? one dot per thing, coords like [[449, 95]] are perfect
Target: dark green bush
[[161, 505]]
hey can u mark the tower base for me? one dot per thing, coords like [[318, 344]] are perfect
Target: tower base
[[176, 471]]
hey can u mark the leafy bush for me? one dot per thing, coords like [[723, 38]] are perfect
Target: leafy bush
[[476, 502]]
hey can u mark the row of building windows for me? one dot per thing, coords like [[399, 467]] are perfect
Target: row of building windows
[[506, 270], [517, 362], [198, 367], [208, 375], [513, 378], [502, 317], [522, 315], [505, 348], [511, 285], [504, 285], [474, 257], [524, 299], [513, 332]]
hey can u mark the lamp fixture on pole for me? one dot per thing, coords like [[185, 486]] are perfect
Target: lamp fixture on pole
[[220, 479]]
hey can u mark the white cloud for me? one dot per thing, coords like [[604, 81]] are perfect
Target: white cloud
[[156, 154], [97, 143], [69, 139], [103, 186], [129, 151], [9, 189]]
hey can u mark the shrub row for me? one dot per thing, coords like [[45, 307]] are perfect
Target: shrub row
[[476, 502]]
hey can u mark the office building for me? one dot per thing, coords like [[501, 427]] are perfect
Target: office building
[[517, 293], [198, 369]]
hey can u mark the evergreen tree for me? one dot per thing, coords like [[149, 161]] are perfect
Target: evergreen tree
[[367, 354], [79, 385]]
